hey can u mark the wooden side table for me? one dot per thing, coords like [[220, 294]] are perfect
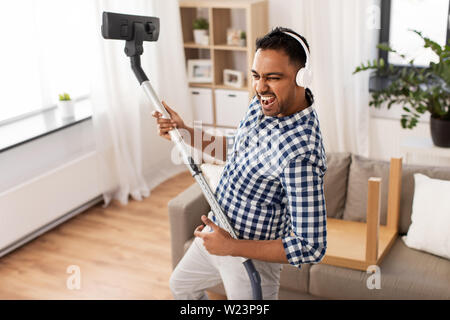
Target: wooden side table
[[358, 245]]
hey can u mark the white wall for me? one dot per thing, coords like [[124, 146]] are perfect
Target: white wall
[[386, 136], [281, 15], [386, 133], [46, 178], [34, 158]]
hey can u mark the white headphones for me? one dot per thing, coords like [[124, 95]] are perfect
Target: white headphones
[[304, 75]]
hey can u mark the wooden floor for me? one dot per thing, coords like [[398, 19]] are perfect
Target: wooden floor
[[123, 252]]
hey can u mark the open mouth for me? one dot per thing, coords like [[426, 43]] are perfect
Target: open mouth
[[267, 101]]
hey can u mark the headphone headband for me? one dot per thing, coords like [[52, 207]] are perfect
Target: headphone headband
[[305, 48], [304, 75]]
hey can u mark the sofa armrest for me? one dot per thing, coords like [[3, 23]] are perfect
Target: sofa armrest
[[185, 211]]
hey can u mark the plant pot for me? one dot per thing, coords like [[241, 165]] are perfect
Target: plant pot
[[440, 132], [67, 109], [199, 36]]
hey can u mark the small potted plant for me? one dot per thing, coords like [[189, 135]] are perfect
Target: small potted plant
[[66, 106], [243, 39], [201, 26], [418, 90]]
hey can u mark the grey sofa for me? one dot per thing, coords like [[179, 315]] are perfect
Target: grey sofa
[[405, 273]]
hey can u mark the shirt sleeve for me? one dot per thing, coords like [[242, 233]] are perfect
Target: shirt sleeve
[[305, 234]]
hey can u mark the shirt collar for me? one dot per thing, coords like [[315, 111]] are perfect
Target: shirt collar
[[283, 122]]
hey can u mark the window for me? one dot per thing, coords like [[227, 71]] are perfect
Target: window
[[45, 51], [427, 16], [397, 16]]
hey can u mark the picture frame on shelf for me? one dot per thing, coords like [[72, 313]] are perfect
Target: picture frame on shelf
[[200, 71], [233, 78], [234, 37]]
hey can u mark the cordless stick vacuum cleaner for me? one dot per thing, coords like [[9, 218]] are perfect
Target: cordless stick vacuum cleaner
[[135, 30]]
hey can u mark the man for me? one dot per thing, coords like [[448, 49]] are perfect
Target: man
[[271, 188]]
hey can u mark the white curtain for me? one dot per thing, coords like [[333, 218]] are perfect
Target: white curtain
[[341, 34], [132, 157]]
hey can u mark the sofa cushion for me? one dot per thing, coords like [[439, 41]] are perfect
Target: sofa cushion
[[405, 274], [335, 183], [295, 279], [361, 169], [406, 201], [430, 218]]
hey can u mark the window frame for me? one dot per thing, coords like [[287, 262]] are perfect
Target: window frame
[[385, 30], [376, 82]]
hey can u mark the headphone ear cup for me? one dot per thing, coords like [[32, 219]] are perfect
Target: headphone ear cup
[[299, 79], [307, 77], [304, 77]]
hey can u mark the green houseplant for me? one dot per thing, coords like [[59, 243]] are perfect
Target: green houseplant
[[418, 90], [200, 26], [66, 106], [243, 39], [64, 97]]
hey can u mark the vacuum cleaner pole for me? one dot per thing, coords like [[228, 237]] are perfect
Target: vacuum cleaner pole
[[198, 176], [117, 26]]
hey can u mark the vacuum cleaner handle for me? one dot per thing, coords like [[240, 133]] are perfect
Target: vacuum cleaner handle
[[255, 278]]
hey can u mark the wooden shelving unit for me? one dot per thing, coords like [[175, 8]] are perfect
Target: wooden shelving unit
[[221, 16]]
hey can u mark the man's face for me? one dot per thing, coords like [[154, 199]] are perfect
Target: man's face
[[274, 82]]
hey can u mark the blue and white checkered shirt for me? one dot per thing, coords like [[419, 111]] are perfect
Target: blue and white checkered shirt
[[272, 183]]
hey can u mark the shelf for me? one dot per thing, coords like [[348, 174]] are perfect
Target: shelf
[[228, 47], [248, 15], [222, 86], [234, 60], [216, 86], [193, 45], [243, 4], [421, 150], [200, 85], [423, 145]]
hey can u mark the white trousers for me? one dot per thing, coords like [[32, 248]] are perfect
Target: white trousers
[[199, 270]]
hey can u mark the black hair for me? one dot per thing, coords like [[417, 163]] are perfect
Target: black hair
[[277, 39]]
